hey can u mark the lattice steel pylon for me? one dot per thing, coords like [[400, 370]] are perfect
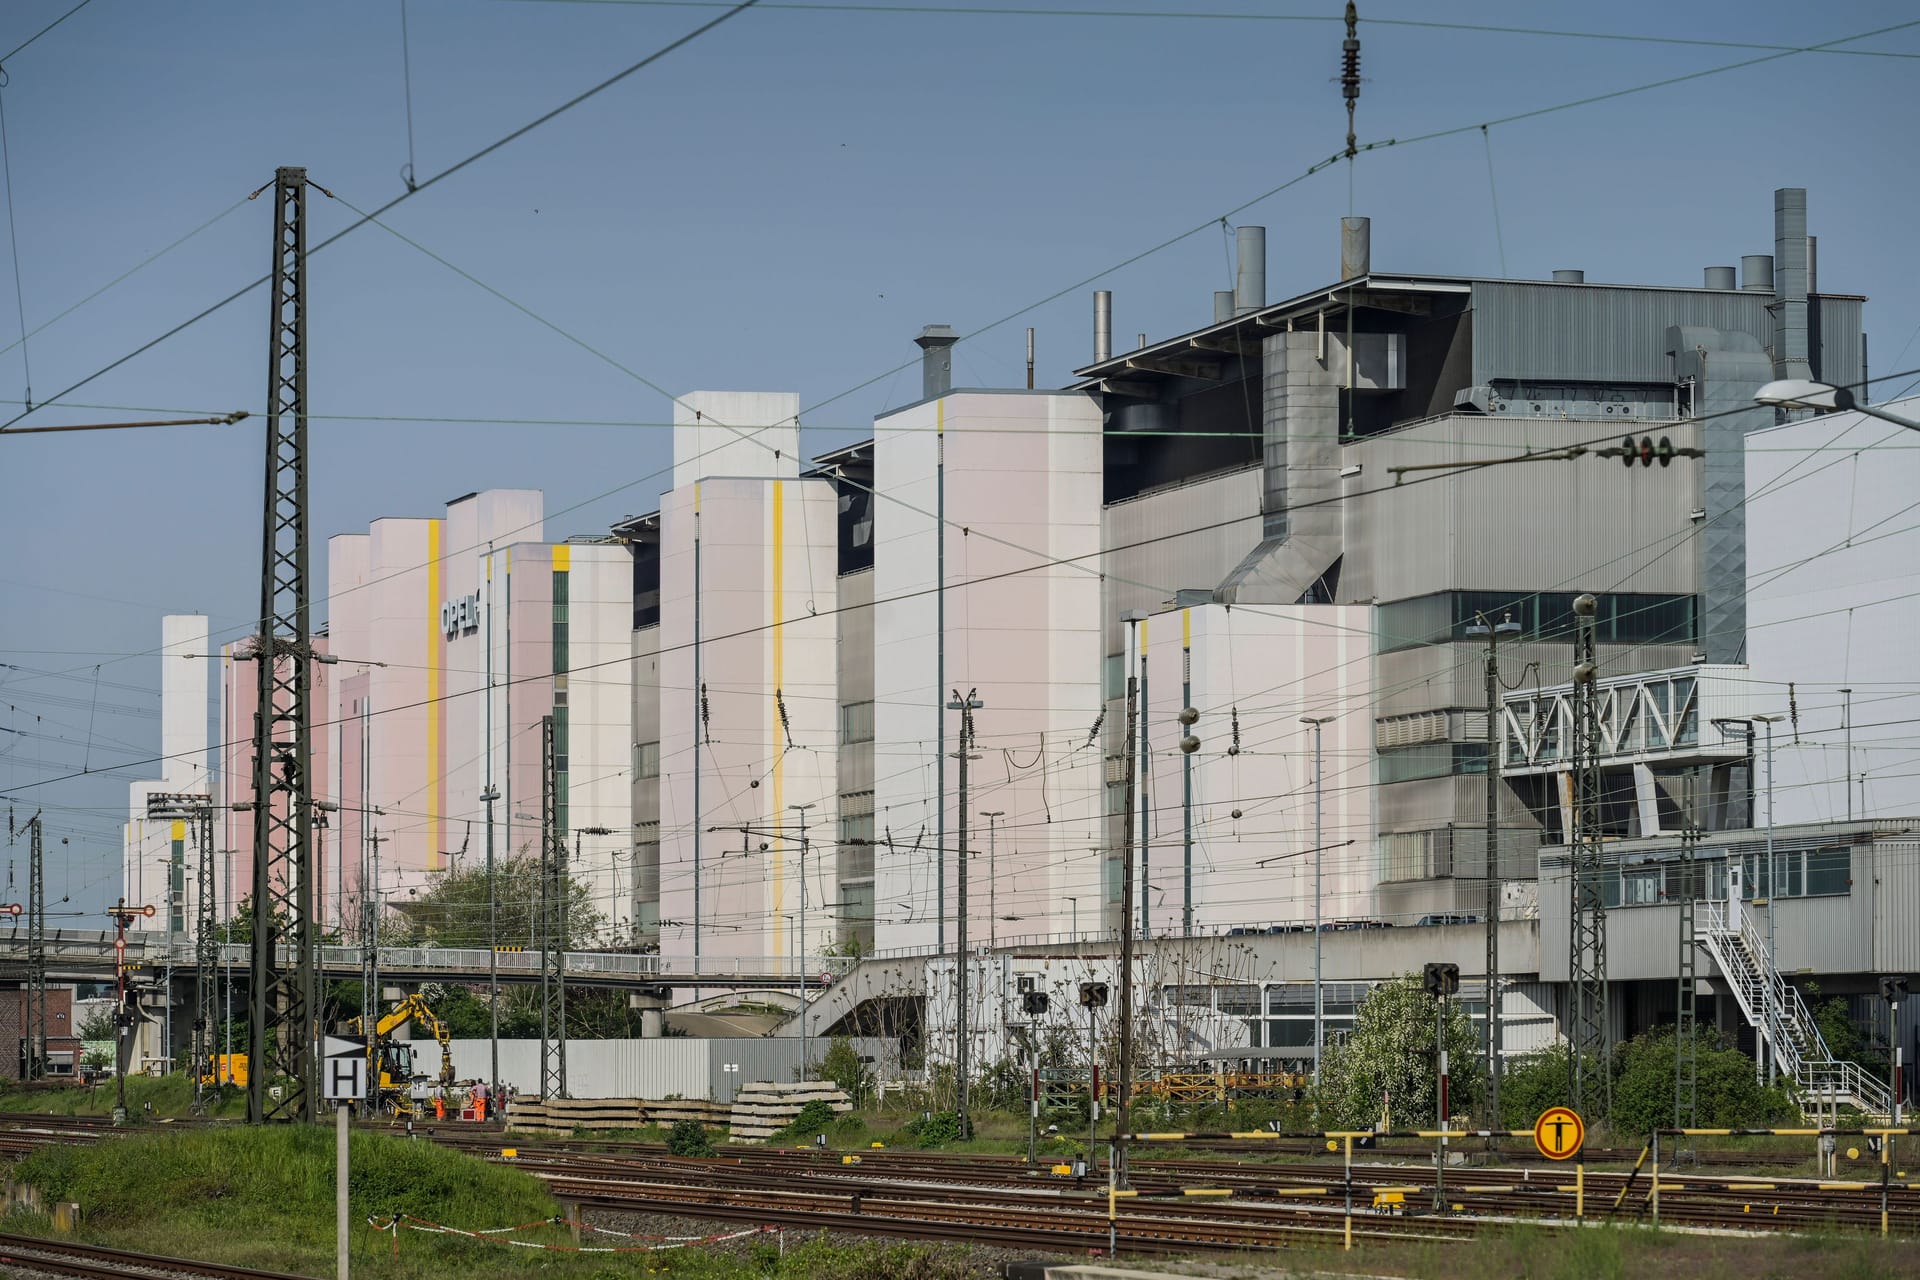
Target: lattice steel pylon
[[282, 1003], [553, 916], [1686, 1062], [1592, 1038], [36, 1063], [197, 808]]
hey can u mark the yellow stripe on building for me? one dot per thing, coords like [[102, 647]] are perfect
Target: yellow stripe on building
[[436, 782], [562, 558]]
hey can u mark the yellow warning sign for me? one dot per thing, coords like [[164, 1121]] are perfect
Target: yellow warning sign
[[1558, 1133]]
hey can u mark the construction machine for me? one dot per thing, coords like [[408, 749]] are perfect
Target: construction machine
[[394, 1059]]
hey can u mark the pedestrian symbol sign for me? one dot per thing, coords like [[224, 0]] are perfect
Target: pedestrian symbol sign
[[1558, 1133]]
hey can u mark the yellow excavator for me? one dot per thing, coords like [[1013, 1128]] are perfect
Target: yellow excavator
[[394, 1058]]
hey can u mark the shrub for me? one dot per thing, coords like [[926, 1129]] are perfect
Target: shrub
[[935, 1130], [842, 1065], [1390, 1053], [689, 1138], [1728, 1096]]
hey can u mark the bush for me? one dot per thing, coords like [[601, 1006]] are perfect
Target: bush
[[815, 1117], [1728, 1097], [689, 1138], [842, 1065], [935, 1130]]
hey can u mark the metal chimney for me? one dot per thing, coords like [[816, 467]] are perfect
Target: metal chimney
[[1222, 305], [936, 361], [1790, 358], [1250, 270], [1719, 278], [1356, 247], [1569, 275], [1813, 265], [1102, 325], [1756, 272]]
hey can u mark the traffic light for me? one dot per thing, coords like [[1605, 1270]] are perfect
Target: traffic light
[[1093, 995], [1442, 979], [1893, 988], [1646, 450], [1034, 1003]]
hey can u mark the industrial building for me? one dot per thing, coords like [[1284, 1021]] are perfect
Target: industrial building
[[878, 703]]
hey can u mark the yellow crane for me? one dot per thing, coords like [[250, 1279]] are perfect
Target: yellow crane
[[394, 1059]]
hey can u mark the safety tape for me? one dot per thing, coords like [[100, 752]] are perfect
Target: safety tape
[[492, 1235]]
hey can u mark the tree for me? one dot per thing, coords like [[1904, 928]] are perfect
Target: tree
[[99, 1025], [457, 910], [841, 1064], [1388, 1059]]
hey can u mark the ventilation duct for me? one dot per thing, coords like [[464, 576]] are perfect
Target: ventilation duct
[[1720, 278], [936, 360], [1250, 270], [1756, 272], [1790, 284], [1569, 275], [1102, 325], [1222, 306], [1356, 247]]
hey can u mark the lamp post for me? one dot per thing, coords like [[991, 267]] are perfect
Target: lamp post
[[1803, 393], [1492, 630], [801, 950], [487, 798], [993, 817], [962, 1030], [1319, 994], [1769, 1058]]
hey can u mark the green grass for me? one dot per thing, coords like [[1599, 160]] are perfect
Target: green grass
[[264, 1197], [147, 1096]]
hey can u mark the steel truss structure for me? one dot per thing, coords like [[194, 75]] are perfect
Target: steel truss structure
[[1587, 1012], [283, 1007]]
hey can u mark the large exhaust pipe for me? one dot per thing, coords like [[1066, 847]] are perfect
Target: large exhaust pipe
[[1102, 325], [1222, 305], [1250, 272], [1719, 278], [1756, 272], [1790, 359], [1356, 247], [936, 360]]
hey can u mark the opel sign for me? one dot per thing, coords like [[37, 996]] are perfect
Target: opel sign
[[460, 617]]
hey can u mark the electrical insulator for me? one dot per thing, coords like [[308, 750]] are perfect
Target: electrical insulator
[[1188, 715], [1189, 744]]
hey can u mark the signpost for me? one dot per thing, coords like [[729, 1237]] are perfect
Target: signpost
[[1559, 1133], [343, 1073]]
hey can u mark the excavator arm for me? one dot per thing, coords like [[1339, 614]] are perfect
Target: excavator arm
[[415, 1009]]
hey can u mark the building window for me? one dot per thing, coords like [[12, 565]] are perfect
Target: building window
[[1829, 871], [856, 722], [646, 759], [1433, 760], [1622, 618]]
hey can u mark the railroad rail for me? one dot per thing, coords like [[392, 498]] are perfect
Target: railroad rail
[[95, 1262]]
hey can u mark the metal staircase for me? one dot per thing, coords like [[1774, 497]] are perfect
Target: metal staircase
[[1773, 1007]]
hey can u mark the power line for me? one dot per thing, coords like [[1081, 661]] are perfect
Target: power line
[[408, 194], [4, 58]]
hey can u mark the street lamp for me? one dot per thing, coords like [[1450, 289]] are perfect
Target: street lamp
[[1803, 393], [1486, 626], [488, 797], [801, 949], [1319, 1001], [1768, 1053]]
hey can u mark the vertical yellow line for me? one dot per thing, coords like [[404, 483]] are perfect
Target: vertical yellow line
[[436, 782], [1186, 628], [777, 636]]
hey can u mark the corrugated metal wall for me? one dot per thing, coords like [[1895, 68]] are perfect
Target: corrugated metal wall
[[1580, 524], [598, 1068], [1174, 558], [1596, 333], [1896, 905]]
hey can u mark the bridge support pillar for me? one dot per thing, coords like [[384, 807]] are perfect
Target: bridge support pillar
[[652, 1003]]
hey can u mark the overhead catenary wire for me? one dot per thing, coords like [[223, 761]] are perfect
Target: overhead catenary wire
[[13, 241]]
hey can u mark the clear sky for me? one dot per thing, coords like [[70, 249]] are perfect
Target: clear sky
[[780, 205]]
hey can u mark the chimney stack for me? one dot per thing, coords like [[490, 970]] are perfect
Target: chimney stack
[[1719, 278], [936, 361], [1250, 271], [1356, 247], [1222, 305], [1102, 325]]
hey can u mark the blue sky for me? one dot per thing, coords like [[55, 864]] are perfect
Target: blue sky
[[780, 205]]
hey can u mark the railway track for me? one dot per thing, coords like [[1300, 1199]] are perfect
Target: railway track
[[93, 1262]]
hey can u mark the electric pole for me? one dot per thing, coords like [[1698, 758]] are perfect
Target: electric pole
[[1487, 627], [553, 942], [1686, 1062], [1119, 1157], [1590, 1063], [800, 951], [993, 817], [36, 955], [197, 809], [963, 1032], [284, 1008], [493, 950]]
